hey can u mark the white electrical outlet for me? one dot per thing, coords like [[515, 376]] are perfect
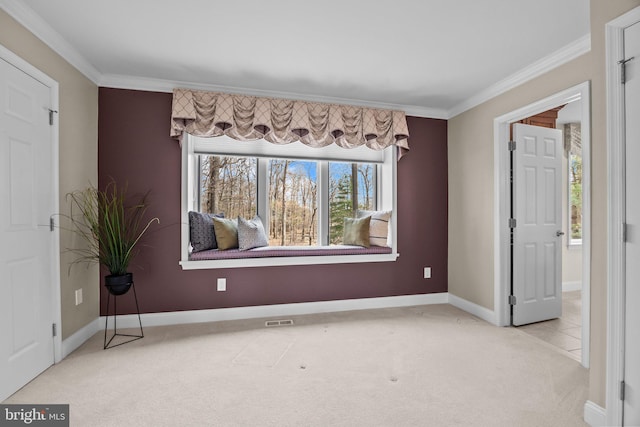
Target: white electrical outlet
[[78, 296], [222, 284], [427, 272]]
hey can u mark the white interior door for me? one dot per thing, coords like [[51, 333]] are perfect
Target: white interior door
[[537, 209], [631, 409], [26, 242]]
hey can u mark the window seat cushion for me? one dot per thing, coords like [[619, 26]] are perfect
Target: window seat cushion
[[288, 251]]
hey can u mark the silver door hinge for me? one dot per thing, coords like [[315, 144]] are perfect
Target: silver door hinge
[[55, 330], [622, 388], [512, 223], [52, 223], [512, 146], [623, 69], [512, 300], [51, 113], [624, 232]]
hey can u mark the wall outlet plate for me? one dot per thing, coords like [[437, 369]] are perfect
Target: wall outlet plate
[[78, 296], [222, 284], [427, 272]]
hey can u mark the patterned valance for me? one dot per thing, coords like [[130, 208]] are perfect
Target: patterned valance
[[282, 121]]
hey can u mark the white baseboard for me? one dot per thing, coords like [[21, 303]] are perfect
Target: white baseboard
[[594, 415], [236, 313], [472, 308], [80, 337], [571, 286], [276, 310]]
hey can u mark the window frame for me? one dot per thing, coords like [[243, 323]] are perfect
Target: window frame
[[386, 196]]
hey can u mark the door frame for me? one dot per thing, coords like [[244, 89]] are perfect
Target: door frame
[[27, 68], [614, 41], [502, 202]]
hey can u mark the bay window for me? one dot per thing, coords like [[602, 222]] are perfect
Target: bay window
[[301, 194]]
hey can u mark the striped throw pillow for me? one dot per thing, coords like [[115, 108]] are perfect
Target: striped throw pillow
[[378, 227]]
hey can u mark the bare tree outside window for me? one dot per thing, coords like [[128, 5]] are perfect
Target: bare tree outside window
[[293, 203], [575, 195], [228, 185]]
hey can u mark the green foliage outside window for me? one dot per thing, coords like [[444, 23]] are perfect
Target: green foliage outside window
[[351, 187], [340, 207]]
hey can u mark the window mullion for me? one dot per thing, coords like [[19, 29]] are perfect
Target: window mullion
[[191, 181], [262, 187], [323, 203], [376, 194], [196, 203]]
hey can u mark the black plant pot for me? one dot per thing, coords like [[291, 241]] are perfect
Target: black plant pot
[[118, 284]]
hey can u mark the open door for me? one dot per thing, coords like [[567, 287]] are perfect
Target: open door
[[537, 226]]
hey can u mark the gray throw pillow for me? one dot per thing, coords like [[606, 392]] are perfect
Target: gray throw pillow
[[201, 232], [251, 234], [356, 231]]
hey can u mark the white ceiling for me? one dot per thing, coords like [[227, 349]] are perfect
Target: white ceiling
[[429, 56]]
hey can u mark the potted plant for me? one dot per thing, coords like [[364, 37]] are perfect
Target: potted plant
[[111, 228]]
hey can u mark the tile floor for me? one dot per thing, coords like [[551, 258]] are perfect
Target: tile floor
[[564, 332]]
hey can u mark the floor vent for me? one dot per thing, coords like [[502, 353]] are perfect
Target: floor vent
[[270, 323]]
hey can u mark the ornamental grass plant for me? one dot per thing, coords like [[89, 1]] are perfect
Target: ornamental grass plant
[[110, 225]]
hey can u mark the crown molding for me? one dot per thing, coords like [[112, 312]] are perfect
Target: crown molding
[[24, 15], [559, 57], [116, 81]]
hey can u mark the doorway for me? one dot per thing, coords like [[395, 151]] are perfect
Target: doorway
[[564, 238], [502, 204]]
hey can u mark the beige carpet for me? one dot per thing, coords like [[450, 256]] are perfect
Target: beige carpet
[[420, 366]]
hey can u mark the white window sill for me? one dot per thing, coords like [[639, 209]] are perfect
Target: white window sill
[[284, 261]]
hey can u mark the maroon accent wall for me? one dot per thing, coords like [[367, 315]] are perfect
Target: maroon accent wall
[[134, 147]]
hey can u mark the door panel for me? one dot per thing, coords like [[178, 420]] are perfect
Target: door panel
[[631, 409], [530, 200], [26, 245], [551, 179], [537, 261], [550, 260]]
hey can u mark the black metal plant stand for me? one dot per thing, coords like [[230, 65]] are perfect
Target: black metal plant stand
[[115, 321]]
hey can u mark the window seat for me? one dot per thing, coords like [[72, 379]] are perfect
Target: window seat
[[288, 251], [273, 256]]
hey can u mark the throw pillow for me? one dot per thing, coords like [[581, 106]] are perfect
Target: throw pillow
[[251, 233], [356, 231], [201, 233], [379, 228], [226, 233]]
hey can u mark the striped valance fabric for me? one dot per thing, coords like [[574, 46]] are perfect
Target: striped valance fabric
[[282, 121]]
